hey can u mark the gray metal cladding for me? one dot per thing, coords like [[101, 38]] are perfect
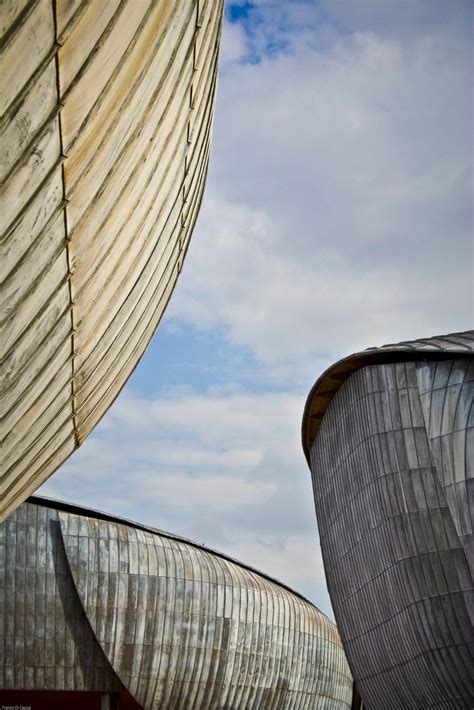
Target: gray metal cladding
[[392, 476], [184, 627], [46, 642], [180, 625], [440, 347], [106, 113], [446, 395]]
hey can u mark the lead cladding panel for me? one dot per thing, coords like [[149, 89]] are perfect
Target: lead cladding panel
[[436, 348], [46, 642], [391, 447], [106, 115], [447, 395], [185, 628]]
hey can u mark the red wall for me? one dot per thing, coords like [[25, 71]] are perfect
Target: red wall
[[60, 700]]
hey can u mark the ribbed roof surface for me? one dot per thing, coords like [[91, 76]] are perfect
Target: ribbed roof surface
[[439, 347], [181, 625], [100, 515], [105, 113]]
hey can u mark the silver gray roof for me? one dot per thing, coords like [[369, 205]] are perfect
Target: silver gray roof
[[438, 347]]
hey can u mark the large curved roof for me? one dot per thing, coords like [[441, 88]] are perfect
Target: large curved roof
[[100, 515], [106, 112], [440, 347], [179, 624]]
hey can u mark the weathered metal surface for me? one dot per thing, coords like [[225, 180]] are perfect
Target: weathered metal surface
[[106, 120], [392, 469], [184, 626], [441, 347], [446, 394], [46, 641]]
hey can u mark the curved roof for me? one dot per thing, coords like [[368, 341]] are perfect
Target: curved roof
[[100, 515], [180, 625], [440, 347], [106, 113]]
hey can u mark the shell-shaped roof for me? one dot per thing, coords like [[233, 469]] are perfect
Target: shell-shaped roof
[[106, 114], [180, 625], [440, 347], [391, 470]]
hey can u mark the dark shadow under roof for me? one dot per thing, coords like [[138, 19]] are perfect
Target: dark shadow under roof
[[440, 347]]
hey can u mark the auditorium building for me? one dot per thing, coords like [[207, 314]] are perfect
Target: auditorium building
[[104, 613], [388, 434]]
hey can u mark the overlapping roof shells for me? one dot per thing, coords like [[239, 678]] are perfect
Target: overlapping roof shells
[[175, 623], [105, 116], [441, 347], [389, 438]]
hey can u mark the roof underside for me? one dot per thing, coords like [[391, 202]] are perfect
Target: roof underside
[[440, 347]]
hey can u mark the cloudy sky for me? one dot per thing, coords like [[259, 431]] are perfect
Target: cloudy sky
[[338, 215]]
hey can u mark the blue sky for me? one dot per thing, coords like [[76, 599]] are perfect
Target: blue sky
[[337, 216]]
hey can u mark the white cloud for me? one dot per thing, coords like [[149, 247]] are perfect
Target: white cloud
[[189, 493], [224, 468], [233, 44], [338, 212]]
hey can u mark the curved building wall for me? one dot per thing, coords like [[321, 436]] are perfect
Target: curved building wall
[[106, 112], [46, 642], [182, 626], [392, 472]]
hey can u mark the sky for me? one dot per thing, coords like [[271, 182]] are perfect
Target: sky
[[338, 215]]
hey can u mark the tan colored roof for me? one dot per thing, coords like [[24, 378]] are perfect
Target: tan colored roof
[[106, 112]]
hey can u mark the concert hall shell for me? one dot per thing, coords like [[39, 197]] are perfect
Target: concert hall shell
[[106, 112], [389, 436], [100, 605]]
